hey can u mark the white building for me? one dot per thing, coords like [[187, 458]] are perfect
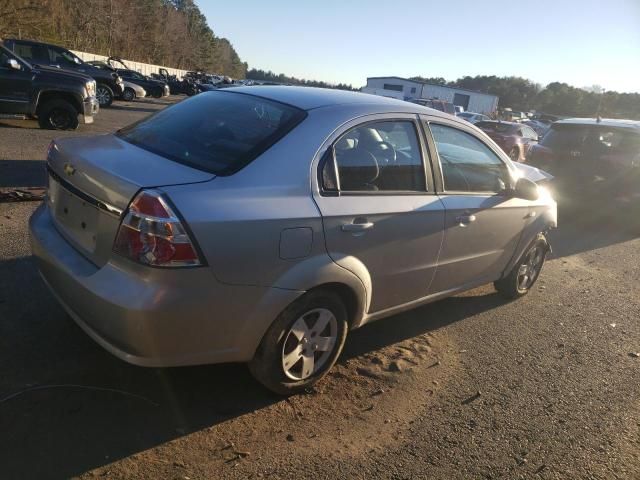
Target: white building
[[406, 89]]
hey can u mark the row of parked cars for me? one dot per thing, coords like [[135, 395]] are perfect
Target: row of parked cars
[[582, 153], [52, 84]]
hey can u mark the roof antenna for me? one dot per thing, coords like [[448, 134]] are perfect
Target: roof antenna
[[598, 117]]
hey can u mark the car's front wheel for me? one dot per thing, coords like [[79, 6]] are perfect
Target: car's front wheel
[[58, 115], [128, 95], [302, 344], [525, 272]]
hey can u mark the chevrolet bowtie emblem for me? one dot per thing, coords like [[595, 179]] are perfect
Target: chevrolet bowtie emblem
[[69, 169]]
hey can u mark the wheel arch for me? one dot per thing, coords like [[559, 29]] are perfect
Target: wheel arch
[[47, 95]]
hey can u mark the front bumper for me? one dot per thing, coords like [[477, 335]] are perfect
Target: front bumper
[[150, 316], [90, 107]]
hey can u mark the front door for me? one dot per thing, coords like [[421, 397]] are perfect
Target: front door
[[483, 224], [382, 219], [15, 86]]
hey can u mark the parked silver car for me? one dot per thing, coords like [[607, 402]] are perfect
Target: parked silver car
[[132, 91], [260, 224]]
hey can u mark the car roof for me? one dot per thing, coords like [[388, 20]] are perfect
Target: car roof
[[309, 98], [501, 122], [604, 122], [32, 42]]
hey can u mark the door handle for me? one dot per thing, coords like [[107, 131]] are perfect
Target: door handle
[[464, 220], [356, 227]]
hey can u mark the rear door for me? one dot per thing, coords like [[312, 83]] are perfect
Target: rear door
[[15, 86], [382, 219], [483, 224]]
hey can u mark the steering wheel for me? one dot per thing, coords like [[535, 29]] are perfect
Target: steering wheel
[[388, 151]]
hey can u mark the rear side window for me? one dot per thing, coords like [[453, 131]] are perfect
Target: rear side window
[[377, 156], [468, 165], [32, 53], [218, 132]]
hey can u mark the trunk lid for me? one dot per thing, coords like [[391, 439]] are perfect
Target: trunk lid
[[92, 181]]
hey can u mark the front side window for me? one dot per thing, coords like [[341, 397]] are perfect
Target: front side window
[[60, 56], [218, 132], [379, 156], [468, 165]]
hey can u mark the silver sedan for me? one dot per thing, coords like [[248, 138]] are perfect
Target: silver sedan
[[261, 224], [132, 91]]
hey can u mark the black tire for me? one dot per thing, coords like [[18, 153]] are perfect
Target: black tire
[[128, 95], [157, 93], [514, 154], [513, 285], [104, 94], [267, 365], [58, 115]]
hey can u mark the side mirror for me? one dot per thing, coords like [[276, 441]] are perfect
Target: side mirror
[[526, 189], [13, 64]]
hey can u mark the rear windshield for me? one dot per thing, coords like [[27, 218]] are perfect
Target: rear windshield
[[496, 127], [218, 132], [565, 136]]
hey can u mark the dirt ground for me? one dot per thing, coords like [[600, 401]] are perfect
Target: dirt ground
[[468, 387]]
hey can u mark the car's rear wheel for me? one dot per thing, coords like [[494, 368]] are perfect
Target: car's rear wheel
[[525, 272], [514, 154], [104, 95], [302, 344], [157, 93], [58, 115], [128, 95]]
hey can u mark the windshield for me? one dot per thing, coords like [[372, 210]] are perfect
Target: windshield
[[219, 132]]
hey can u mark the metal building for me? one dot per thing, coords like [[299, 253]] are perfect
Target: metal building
[[406, 89]]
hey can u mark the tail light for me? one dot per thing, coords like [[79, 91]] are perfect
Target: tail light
[[152, 234]]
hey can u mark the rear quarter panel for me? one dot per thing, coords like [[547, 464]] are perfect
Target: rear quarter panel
[[239, 220]]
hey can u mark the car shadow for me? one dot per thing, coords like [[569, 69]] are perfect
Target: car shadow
[[22, 173], [80, 408]]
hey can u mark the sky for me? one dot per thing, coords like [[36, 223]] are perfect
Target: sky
[[582, 43]]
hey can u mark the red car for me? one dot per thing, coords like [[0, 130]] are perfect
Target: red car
[[514, 138]]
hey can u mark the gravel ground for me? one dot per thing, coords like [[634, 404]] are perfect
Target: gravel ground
[[469, 387]]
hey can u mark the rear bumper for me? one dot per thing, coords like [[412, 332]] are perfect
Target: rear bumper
[[90, 107], [154, 317]]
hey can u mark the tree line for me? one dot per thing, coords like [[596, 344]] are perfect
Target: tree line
[[173, 33], [556, 98], [281, 78]]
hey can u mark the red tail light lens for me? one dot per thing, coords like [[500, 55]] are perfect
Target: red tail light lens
[[152, 234]]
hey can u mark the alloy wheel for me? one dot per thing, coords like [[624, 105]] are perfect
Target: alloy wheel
[[530, 268], [309, 343], [103, 96]]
